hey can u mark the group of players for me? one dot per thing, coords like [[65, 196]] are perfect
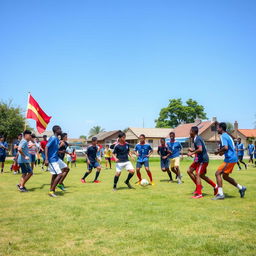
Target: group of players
[[170, 152]]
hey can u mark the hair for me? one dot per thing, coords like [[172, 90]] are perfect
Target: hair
[[64, 134], [55, 128], [33, 135], [45, 136], [1, 136], [162, 139], [107, 146], [143, 135], [194, 129], [27, 132], [223, 126], [121, 134], [94, 139], [172, 133], [19, 134]]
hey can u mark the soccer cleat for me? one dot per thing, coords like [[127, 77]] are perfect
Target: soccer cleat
[[179, 181], [128, 185], [61, 187], [52, 194], [195, 192], [218, 197], [137, 182], [215, 191], [83, 181], [23, 189], [97, 181], [114, 189], [152, 183], [197, 196], [242, 192]]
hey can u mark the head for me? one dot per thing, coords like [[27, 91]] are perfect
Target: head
[[27, 135], [57, 130], [1, 138], [222, 127], [19, 137], [121, 137], [142, 139], [107, 146], [193, 131], [162, 141], [172, 135], [239, 140], [33, 137], [94, 141], [45, 137], [64, 136]]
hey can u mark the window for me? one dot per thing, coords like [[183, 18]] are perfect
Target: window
[[150, 141]]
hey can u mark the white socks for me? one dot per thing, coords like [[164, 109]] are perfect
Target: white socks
[[220, 191], [239, 186]]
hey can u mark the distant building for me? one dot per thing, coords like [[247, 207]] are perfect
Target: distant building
[[244, 134], [105, 138]]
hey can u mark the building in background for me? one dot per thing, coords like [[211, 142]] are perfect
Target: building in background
[[105, 138]]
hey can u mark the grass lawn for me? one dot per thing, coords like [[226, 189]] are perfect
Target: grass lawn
[[91, 219]]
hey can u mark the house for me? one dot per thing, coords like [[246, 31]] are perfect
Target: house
[[244, 134], [105, 138], [153, 135]]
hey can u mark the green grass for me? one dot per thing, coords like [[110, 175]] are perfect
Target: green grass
[[90, 219]]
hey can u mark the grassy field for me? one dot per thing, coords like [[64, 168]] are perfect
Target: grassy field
[[91, 219]]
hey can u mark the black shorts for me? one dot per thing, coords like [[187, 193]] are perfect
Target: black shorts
[[2, 158], [25, 168], [240, 158]]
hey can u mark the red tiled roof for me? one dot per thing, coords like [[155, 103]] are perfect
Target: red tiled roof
[[248, 132]]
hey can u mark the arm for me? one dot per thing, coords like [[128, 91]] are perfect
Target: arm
[[22, 153], [193, 152]]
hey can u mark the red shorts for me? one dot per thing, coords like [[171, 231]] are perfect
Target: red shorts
[[200, 168]]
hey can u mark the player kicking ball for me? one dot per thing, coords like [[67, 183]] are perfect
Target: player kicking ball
[[92, 162], [143, 151], [200, 163], [225, 169], [121, 154]]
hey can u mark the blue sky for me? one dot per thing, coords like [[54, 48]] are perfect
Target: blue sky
[[115, 63]]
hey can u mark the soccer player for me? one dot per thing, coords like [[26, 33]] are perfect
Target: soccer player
[[15, 167], [23, 161], [3, 149], [255, 153], [200, 163], [43, 144], [92, 161], [164, 153], [240, 152], [32, 150], [250, 149], [108, 155], [225, 169], [57, 167], [143, 151], [175, 148], [121, 153]]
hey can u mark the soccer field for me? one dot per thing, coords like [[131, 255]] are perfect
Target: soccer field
[[91, 219]]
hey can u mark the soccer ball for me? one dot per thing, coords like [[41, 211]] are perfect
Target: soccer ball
[[144, 182]]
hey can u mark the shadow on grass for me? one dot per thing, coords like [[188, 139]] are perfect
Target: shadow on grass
[[125, 188], [37, 188]]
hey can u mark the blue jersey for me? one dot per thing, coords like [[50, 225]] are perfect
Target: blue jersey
[[175, 147], [3, 145], [53, 149], [24, 147], [240, 149], [143, 150], [250, 149], [230, 154]]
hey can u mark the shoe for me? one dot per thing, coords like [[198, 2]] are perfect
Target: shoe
[[97, 181], [197, 196], [128, 185], [179, 182], [83, 181], [195, 192], [114, 189], [52, 194], [23, 190], [61, 187], [152, 183], [215, 191], [137, 182], [14, 173], [242, 192], [218, 197]]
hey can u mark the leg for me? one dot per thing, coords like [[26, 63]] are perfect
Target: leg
[[116, 178], [239, 166], [229, 179], [149, 174], [130, 174], [86, 174], [138, 174], [191, 174], [109, 160], [169, 173], [208, 180], [26, 178], [55, 181], [241, 161], [97, 174], [65, 172]]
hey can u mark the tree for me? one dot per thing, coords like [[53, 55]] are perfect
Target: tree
[[95, 130], [125, 129], [83, 137], [230, 127], [12, 121], [176, 113]]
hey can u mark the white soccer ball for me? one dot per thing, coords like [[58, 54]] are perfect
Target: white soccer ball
[[144, 182]]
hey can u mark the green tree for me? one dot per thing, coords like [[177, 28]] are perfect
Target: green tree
[[176, 113], [230, 127], [83, 137], [12, 120], [95, 130]]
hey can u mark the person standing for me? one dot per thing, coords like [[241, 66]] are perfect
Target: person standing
[[3, 152], [15, 167], [108, 156], [250, 149], [32, 150], [240, 152], [43, 144]]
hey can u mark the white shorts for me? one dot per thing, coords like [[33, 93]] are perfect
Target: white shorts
[[126, 165], [56, 167]]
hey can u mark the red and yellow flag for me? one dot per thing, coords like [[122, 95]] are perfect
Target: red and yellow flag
[[35, 112]]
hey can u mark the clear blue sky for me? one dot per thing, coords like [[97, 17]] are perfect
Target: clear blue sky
[[113, 63]]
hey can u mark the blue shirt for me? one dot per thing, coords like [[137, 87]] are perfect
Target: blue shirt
[[24, 147], [175, 147], [53, 149], [143, 150], [230, 154], [250, 149], [201, 157], [239, 147], [3, 150]]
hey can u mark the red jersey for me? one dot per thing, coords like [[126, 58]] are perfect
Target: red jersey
[[43, 144]]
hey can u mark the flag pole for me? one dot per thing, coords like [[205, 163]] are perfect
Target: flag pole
[[25, 126]]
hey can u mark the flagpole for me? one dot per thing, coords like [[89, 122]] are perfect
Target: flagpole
[[25, 126]]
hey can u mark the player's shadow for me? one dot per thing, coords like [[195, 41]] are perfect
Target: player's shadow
[[167, 181], [37, 188], [126, 188], [229, 196]]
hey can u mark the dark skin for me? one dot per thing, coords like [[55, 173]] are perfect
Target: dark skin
[[175, 169], [2, 140], [94, 143]]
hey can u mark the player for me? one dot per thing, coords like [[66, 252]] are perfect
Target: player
[[143, 151], [108, 155], [23, 161], [3, 151], [175, 148], [164, 153], [43, 144], [57, 167], [250, 149], [92, 161], [15, 167], [240, 152], [32, 150], [225, 169], [121, 153], [200, 163]]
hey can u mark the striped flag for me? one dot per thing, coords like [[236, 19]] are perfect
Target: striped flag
[[35, 112]]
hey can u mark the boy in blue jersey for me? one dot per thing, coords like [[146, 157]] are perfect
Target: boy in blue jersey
[[240, 152], [3, 152], [24, 161], [225, 169], [57, 167], [92, 161], [250, 149], [175, 148], [143, 151]]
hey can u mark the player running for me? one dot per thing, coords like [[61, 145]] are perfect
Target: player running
[[43, 144], [250, 149], [164, 153], [3, 152], [143, 151], [57, 167], [15, 167], [175, 148], [121, 153], [200, 163], [92, 161], [240, 152], [228, 149]]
